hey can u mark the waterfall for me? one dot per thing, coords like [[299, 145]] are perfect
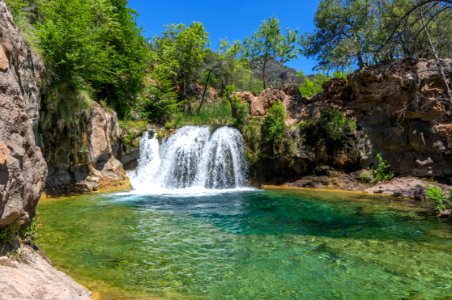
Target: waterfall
[[193, 157]]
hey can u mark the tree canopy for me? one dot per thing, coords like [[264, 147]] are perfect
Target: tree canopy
[[91, 44], [363, 32], [268, 43]]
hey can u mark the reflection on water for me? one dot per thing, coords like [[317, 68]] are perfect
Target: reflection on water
[[255, 244]]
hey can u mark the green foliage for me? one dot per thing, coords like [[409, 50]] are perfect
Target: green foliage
[[91, 45], [65, 105], [160, 101], [129, 62], [72, 34], [18, 233], [332, 123], [382, 170], [131, 130], [362, 32], [178, 56], [251, 132], [214, 113], [274, 131], [312, 87], [268, 43], [25, 15], [240, 111], [336, 124], [365, 176], [436, 197]]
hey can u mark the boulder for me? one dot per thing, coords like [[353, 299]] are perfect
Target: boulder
[[32, 276]]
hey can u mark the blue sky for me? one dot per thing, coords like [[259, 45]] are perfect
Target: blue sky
[[232, 19]]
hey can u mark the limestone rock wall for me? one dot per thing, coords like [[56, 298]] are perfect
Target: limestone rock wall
[[86, 161], [22, 167]]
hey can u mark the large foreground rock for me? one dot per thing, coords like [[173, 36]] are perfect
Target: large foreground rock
[[22, 167], [31, 277]]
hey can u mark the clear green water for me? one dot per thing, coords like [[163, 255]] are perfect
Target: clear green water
[[249, 245]]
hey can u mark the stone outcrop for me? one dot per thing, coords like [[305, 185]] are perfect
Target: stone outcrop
[[86, 161], [401, 112], [22, 167], [31, 276], [402, 108]]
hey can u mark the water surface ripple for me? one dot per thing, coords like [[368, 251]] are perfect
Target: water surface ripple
[[249, 245]]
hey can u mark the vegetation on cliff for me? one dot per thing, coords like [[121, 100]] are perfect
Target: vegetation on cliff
[[95, 47]]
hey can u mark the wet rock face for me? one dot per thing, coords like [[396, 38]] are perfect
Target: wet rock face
[[22, 167], [87, 161]]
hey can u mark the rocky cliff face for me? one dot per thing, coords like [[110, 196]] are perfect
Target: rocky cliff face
[[22, 167], [403, 110], [400, 112], [86, 161]]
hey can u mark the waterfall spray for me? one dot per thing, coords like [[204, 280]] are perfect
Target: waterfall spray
[[192, 158]]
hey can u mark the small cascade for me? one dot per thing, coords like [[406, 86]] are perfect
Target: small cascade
[[192, 157]]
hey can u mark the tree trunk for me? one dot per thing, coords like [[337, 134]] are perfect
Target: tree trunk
[[264, 65], [204, 91], [360, 60], [437, 60]]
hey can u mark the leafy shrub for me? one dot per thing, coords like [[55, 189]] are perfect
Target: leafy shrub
[[382, 170], [240, 111], [336, 124], [311, 87], [214, 113], [160, 104], [436, 197], [365, 176], [251, 132], [131, 130], [273, 130], [13, 233]]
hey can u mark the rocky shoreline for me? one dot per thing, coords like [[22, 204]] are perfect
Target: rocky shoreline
[[28, 274], [412, 188]]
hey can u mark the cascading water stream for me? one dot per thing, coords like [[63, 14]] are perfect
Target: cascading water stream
[[192, 158]]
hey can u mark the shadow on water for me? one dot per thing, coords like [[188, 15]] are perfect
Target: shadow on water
[[276, 212]]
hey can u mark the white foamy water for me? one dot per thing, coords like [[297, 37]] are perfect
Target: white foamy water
[[194, 161]]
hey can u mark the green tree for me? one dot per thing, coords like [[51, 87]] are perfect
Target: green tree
[[130, 60], [268, 43], [180, 53], [364, 32], [94, 45], [72, 36]]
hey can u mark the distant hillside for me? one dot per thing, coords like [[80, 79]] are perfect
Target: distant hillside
[[277, 74]]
